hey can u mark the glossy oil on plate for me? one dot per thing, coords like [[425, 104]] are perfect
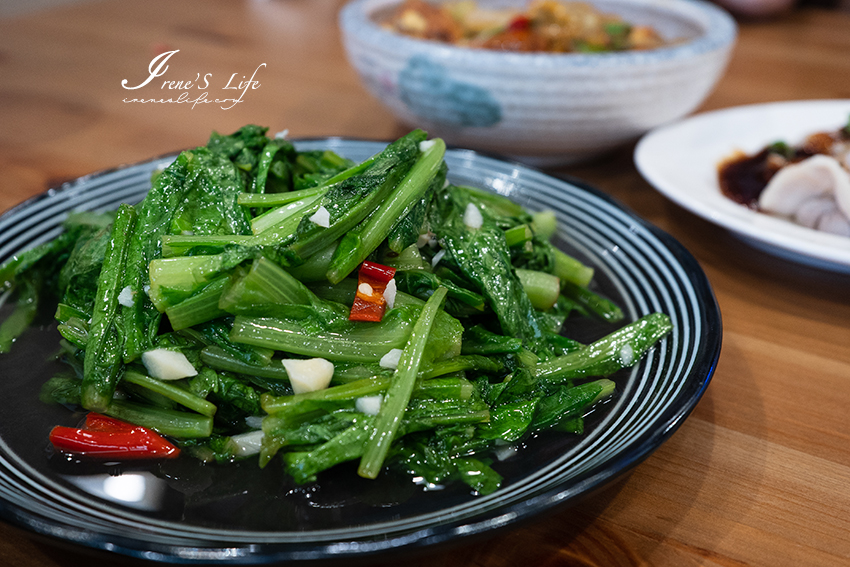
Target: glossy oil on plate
[[681, 161], [185, 512]]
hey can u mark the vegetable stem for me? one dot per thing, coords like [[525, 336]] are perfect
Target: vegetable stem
[[519, 234], [395, 403], [542, 289], [617, 350], [357, 245], [199, 308], [568, 269], [104, 346], [180, 424], [175, 393], [594, 303], [544, 223]]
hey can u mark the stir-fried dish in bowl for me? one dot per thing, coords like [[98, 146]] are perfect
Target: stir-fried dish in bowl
[[543, 25], [560, 83]]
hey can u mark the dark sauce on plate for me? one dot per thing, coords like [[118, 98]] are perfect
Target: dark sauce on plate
[[743, 177]]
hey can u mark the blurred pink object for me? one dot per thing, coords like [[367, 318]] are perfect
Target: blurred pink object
[[756, 8]]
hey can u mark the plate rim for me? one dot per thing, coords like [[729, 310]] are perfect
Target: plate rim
[[481, 525]]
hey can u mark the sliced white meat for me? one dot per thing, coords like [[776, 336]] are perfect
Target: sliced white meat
[[835, 222], [803, 190], [822, 214], [812, 210], [841, 152]]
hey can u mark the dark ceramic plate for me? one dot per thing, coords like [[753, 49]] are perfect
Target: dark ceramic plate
[[185, 512]]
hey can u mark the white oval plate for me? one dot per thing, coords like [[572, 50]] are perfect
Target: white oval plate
[[680, 161]]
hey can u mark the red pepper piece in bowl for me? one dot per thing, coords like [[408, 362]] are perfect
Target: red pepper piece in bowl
[[108, 438], [370, 303]]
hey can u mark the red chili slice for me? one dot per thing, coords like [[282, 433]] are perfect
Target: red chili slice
[[369, 303], [108, 438], [99, 422], [377, 271]]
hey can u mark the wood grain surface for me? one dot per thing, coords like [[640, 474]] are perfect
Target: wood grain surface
[[759, 475]]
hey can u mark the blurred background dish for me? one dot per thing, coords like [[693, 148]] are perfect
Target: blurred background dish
[[544, 108], [681, 161]]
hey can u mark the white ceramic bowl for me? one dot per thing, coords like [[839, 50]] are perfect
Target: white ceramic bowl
[[544, 108]]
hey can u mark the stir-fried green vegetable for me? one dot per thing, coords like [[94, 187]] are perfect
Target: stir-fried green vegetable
[[217, 312]]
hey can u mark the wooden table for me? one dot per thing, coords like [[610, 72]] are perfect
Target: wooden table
[[758, 475]]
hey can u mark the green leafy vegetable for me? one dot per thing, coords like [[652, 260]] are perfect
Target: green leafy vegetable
[[247, 245]]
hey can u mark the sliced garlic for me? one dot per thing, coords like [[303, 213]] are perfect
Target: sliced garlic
[[370, 405], [126, 297], [247, 444], [365, 289], [390, 293], [437, 257], [472, 216], [391, 359], [309, 375], [321, 217], [166, 364]]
